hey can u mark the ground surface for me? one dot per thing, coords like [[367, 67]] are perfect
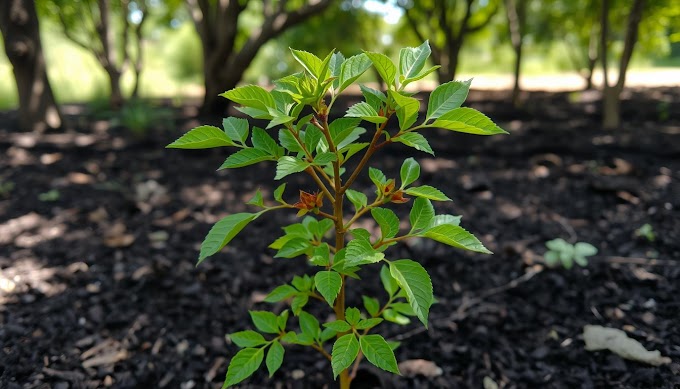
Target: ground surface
[[98, 285]]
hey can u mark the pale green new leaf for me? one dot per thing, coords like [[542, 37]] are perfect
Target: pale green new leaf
[[412, 59], [421, 214], [415, 282], [366, 112], [243, 365], [352, 68], [223, 232], [373, 97], [288, 165], [265, 321], [410, 171], [446, 97], [378, 352], [383, 64], [236, 129], [372, 305], [388, 282], [247, 338], [278, 192], [309, 61], [365, 324], [361, 252], [445, 219], [467, 120], [457, 237], [251, 96], [427, 192], [246, 157], [420, 76], [336, 64], [328, 283], [345, 351], [415, 140], [274, 357], [203, 137], [279, 293], [357, 198], [407, 109], [387, 220]]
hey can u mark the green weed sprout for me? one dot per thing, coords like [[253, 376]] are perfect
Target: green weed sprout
[[566, 254], [318, 147]]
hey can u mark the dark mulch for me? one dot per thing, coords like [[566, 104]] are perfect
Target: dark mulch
[[99, 286]]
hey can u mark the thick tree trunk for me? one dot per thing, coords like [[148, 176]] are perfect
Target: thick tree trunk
[[21, 33], [611, 108], [116, 99]]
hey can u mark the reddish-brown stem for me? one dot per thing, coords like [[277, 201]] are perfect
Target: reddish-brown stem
[[318, 181], [322, 351], [367, 155]]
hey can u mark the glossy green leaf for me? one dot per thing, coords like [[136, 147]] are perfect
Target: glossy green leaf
[[412, 59], [279, 293], [352, 315], [446, 97], [361, 252], [377, 176], [407, 109], [288, 141], [243, 365], [309, 325], [262, 141], [278, 192], [421, 214], [420, 75], [372, 305], [299, 302], [389, 283], [265, 321], [366, 112], [309, 61], [410, 171], [415, 140], [223, 232], [373, 97], [274, 357], [293, 248], [282, 320], [457, 237], [338, 326], [203, 137], [257, 199], [469, 121], [328, 283], [378, 352], [324, 158], [352, 68], [383, 64], [246, 157], [345, 351], [236, 129], [251, 96], [415, 282], [288, 165], [427, 192], [335, 65], [247, 338], [387, 221], [357, 198], [365, 324], [445, 219]]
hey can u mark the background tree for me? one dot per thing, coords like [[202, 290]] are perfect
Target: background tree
[[21, 34], [447, 24], [229, 46], [105, 28], [611, 93], [515, 10]]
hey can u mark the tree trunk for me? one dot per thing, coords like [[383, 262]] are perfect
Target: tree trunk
[[116, 99], [21, 33], [611, 108], [515, 14]]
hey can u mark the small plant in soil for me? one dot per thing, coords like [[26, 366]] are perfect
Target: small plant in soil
[[337, 252], [561, 252], [646, 231]]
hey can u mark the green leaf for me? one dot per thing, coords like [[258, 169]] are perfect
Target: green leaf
[[338, 326], [421, 214], [365, 324], [581, 260], [345, 351], [366, 112], [336, 64], [379, 353], [288, 165], [457, 237], [282, 320], [387, 220], [223, 232], [328, 283], [309, 325], [393, 316], [377, 176], [446, 97], [415, 140], [352, 315], [346, 138], [373, 97], [340, 128], [388, 282], [403, 308], [288, 141], [247, 338], [257, 199], [415, 282], [278, 193], [327, 334], [236, 129], [352, 149], [321, 255], [203, 137], [243, 365], [445, 219], [279, 293], [352, 68], [309, 61], [274, 357], [552, 258], [265, 321], [412, 59], [383, 64], [262, 141], [312, 137], [299, 302], [246, 157], [372, 305], [407, 109], [324, 158], [469, 121], [584, 249], [293, 248], [420, 76], [357, 198], [361, 252], [410, 171], [427, 192], [251, 96]]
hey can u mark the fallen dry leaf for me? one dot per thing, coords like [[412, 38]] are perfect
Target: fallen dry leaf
[[617, 341], [414, 367]]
